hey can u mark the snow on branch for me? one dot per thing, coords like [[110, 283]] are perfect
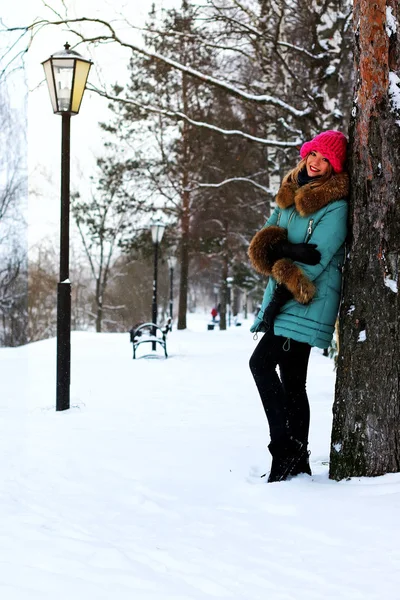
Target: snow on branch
[[270, 191], [181, 116], [319, 56], [111, 35]]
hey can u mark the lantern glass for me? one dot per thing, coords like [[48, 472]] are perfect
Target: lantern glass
[[82, 68], [50, 83], [157, 232], [63, 70]]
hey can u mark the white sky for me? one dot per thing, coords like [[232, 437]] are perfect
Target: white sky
[[44, 128]]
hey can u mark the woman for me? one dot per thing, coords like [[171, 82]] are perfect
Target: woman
[[301, 248]]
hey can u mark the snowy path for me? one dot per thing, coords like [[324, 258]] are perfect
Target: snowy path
[[149, 486]]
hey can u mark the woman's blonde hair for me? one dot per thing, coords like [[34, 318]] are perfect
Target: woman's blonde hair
[[292, 176]]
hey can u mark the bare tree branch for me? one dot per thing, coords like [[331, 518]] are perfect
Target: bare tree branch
[[183, 117], [112, 36]]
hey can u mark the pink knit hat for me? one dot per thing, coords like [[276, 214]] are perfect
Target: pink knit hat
[[332, 144]]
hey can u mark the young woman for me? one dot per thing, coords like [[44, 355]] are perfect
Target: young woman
[[301, 249]]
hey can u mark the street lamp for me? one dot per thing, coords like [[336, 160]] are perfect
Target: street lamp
[[66, 75], [229, 281], [171, 265], [157, 232]]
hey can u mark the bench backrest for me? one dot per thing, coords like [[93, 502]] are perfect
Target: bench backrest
[[149, 330]]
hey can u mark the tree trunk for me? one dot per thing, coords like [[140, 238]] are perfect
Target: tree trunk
[[99, 307], [224, 294], [366, 413], [185, 218], [184, 266], [99, 318]]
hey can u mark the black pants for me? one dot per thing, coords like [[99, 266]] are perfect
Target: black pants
[[285, 400]]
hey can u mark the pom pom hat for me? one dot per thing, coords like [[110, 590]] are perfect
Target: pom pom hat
[[331, 144]]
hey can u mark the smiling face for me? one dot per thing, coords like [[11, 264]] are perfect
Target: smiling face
[[316, 164]]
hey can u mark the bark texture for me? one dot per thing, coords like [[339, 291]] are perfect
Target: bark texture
[[185, 216], [366, 413]]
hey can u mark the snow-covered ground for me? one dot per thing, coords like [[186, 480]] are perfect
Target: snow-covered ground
[[149, 488]]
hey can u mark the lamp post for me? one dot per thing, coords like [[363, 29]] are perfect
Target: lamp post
[[66, 75], [229, 281], [171, 265], [157, 232]]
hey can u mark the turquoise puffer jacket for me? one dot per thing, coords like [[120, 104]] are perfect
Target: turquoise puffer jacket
[[326, 227]]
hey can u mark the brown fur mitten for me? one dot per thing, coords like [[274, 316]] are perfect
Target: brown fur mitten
[[286, 272], [260, 247]]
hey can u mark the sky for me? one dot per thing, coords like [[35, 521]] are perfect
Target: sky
[[150, 486], [44, 128]]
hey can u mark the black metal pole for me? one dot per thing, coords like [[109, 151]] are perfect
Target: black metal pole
[[171, 294], [64, 285], [154, 304]]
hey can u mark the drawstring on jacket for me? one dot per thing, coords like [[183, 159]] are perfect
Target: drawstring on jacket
[[286, 345]]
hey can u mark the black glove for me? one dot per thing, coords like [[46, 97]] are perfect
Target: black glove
[[280, 296], [305, 253]]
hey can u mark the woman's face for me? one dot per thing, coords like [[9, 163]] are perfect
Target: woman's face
[[316, 164]]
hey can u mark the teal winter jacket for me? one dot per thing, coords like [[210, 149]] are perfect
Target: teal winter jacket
[[305, 214]]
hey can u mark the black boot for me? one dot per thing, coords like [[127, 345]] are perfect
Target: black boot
[[286, 454], [302, 466]]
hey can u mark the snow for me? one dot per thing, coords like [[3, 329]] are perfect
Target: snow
[[391, 23], [362, 336], [394, 90], [302, 50], [177, 114], [391, 284], [110, 35], [149, 487], [271, 191]]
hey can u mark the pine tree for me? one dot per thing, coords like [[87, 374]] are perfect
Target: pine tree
[[171, 159]]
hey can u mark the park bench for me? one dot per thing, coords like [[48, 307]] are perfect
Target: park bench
[[144, 333]]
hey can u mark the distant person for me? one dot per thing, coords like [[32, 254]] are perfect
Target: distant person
[[214, 314], [301, 248]]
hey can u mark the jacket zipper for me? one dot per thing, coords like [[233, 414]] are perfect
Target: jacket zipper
[[279, 218], [309, 230], [291, 217]]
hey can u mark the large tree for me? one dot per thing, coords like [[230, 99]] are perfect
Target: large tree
[[366, 425]]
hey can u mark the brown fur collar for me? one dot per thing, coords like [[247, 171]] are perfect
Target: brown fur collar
[[308, 199]]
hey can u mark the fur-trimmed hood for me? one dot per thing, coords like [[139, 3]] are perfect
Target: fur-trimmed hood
[[309, 199]]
